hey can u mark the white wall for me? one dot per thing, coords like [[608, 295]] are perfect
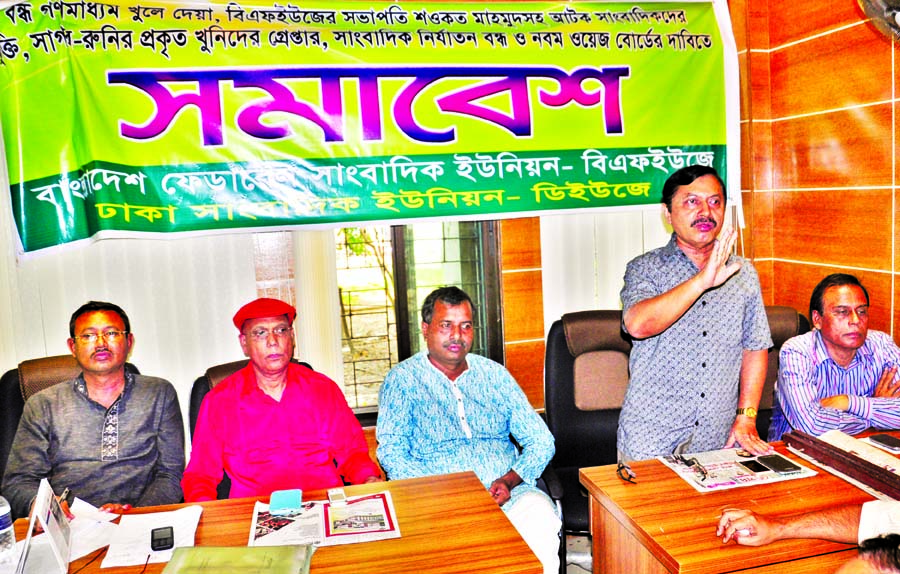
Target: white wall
[[583, 256], [179, 294]]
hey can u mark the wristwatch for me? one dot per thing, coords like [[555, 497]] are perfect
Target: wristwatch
[[747, 412]]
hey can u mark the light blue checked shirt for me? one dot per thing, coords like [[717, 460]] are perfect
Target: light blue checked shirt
[[428, 424], [807, 374]]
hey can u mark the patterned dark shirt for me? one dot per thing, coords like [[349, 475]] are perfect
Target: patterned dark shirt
[[685, 381], [131, 453]]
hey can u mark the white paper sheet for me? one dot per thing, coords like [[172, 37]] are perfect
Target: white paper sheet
[[130, 545]]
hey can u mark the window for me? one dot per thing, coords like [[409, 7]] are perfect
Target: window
[[384, 275]]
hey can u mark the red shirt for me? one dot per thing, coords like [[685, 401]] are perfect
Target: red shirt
[[309, 440]]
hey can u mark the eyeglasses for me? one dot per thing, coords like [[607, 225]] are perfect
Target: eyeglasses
[[108, 336], [625, 473], [263, 334], [694, 464], [844, 312]]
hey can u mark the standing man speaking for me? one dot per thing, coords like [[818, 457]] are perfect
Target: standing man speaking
[[700, 332]]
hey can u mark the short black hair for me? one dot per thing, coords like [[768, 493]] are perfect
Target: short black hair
[[449, 296], [882, 552], [93, 306], [834, 280], [686, 176]]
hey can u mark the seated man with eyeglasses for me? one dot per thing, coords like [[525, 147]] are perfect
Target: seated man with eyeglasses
[[275, 424], [841, 375], [113, 438]]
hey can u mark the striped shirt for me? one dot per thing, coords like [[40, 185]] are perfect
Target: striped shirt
[[808, 374]]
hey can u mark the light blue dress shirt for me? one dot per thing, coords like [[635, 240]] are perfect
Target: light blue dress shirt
[[428, 424]]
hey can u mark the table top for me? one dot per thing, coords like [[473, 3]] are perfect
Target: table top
[[678, 524], [448, 524]]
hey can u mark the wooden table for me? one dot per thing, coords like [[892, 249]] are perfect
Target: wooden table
[[661, 524], [448, 524]]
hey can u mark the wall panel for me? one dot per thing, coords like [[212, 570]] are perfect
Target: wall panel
[[799, 19], [824, 73], [844, 227], [844, 149]]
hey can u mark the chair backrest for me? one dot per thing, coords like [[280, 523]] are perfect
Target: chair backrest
[[35, 375], [585, 377], [205, 382], [784, 323], [11, 405]]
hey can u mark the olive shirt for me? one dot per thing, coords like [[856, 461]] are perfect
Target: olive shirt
[[684, 383], [131, 453]]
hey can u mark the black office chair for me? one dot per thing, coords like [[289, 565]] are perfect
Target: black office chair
[[784, 323], [585, 377], [202, 385]]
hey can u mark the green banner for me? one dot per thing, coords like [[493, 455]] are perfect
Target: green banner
[[165, 117]]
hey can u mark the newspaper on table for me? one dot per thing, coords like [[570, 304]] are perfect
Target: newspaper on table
[[359, 519], [722, 470]]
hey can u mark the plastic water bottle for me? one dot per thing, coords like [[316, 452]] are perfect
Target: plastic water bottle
[[7, 536]]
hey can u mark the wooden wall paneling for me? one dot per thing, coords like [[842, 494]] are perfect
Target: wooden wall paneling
[[738, 11], [760, 85], [846, 148], [522, 295], [520, 243], [757, 25], [525, 361], [522, 303], [841, 228], [762, 203], [792, 21], [762, 165], [795, 283], [765, 270], [846, 68]]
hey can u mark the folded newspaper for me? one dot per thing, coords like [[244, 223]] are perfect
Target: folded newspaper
[[240, 560], [726, 468], [359, 519]]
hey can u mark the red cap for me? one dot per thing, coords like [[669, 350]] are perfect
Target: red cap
[[263, 307]]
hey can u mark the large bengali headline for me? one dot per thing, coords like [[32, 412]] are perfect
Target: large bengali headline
[[160, 117]]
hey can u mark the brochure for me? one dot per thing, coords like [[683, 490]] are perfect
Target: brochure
[[359, 519]]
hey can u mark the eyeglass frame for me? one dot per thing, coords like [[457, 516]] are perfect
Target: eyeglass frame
[[625, 473], [111, 336], [263, 334]]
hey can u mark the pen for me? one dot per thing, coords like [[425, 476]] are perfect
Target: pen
[[64, 496]]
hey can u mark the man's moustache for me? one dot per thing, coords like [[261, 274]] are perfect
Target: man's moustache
[[700, 220]]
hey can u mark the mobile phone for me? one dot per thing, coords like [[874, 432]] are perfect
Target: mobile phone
[[162, 538], [753, 465], [779, 464], [889, 442]]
